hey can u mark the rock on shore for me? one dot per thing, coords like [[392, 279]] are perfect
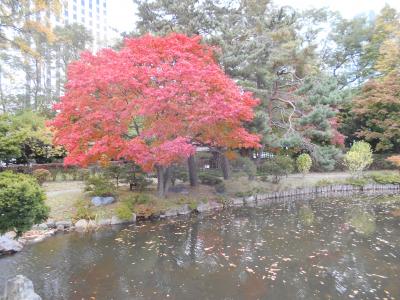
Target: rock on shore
[[19, 288], [9, 246]]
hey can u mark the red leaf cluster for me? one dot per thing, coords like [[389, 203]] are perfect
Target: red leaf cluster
[[151, 102]]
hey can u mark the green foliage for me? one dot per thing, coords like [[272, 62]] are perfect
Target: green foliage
[[21, 202], [306, 215], [83, 211], [115, 172], [359, 157], [124, 212], [326, 157], [246, 165], [99, 186], [362, 221], [25, 137], [136, 178], [54, 173], [357, 181], [385, 178], [209, 179], [180, 173], [304, 163], [324, 182], [131, 204], [320, 98], [41, 175], [220, 188], [381, 162], [278, 167]]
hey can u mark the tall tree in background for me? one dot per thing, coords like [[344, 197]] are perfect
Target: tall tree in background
[[22, 24], [377, 109], [368, 53], [29, 47], [19, 19], [69, 42]]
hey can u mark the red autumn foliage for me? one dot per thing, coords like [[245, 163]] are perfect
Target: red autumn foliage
[[150, 102], [337, 138]]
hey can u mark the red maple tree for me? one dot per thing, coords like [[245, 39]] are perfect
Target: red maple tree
[[151, 102]]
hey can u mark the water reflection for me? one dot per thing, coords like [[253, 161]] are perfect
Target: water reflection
[[362, 221], [323, 249]]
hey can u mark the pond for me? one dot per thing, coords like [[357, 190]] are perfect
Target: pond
[[312, 249]]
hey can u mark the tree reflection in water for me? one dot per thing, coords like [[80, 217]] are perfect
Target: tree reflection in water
[[317, 249]]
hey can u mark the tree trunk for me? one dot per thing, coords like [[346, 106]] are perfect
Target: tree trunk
[[3, 101], [192, 171], [163, 180], [27, 104], [224, 165]]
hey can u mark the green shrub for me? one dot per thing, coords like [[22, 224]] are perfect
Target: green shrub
[[278, 167], [324, 182], [357, 181], [385, 178], [41, 175], [64, 175], [132, 200], [21, 202], [99, 186], [83, 211], [54, 173], [246, 165], [142, 199], [381, 162], [304, 163], [358, 158], [83, 174], [124, 212], [137, 181], [115, 172], [220, 188], [209, 179], [180, 174], [326, 157]]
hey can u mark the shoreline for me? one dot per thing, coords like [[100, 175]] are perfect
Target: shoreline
[[43, 231]]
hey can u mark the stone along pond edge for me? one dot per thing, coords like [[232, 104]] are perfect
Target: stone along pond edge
[[10, 245]]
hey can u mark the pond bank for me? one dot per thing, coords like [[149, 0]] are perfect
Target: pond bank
[[42, 231]]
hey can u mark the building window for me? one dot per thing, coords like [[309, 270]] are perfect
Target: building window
[[74, 7], [90, 4], [66, 13], [97, 2], [83, 19], [75, 17], [83, 2], [90, 14], [104, 4]]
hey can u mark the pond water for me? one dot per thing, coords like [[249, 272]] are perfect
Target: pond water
[[316, 249]]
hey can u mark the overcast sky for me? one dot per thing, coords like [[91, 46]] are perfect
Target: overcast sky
[[122, 12]]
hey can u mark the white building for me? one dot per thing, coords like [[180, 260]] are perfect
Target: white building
[[93, 14]]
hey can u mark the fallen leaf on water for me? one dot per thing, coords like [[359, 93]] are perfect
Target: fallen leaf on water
[[250, 270]]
